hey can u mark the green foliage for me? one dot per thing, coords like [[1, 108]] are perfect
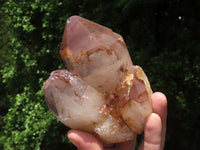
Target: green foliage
[[31, 127], [162, 36]]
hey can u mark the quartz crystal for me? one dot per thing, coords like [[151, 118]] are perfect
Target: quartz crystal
[[101, 91]]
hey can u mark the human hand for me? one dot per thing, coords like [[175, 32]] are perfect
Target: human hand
[[154, 131]]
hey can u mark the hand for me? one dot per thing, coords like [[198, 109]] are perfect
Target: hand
[[154, 131]]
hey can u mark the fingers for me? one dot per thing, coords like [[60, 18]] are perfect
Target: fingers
[[152, 134], [155, 126], [159, 105], [84, 141], [154, 131]]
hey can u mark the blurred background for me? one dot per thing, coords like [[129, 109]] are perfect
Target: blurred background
[[162, 36]]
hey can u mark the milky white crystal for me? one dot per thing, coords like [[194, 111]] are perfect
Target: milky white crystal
[[100, 92]]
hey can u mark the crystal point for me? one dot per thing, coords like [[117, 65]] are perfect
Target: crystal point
[[101, 91]]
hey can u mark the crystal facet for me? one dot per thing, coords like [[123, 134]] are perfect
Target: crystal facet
[[101, 91]]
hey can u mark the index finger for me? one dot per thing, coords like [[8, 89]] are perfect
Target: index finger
[[159, 106]]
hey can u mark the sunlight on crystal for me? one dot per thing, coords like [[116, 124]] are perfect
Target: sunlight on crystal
[[101, 91]]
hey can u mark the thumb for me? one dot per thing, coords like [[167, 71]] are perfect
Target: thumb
[[84, 141]]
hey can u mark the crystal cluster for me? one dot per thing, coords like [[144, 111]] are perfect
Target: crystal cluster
[[101, 91]]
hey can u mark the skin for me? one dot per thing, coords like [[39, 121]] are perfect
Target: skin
[[154, 131]]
